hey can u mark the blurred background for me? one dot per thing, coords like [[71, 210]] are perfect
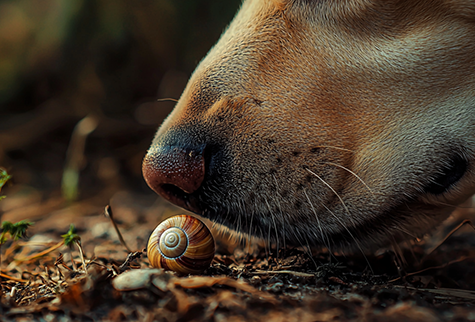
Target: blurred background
[[79, 83]]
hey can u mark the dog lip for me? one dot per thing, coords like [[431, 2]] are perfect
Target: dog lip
[[175, 173], [178, 197]]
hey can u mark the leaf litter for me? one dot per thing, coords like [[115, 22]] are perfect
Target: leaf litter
[[108, 283]]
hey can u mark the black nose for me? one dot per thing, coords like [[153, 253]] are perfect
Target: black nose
[[174, 172]]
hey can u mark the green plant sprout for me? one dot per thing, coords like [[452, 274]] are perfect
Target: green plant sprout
[[16, 231], [4, 177], [70, 239]]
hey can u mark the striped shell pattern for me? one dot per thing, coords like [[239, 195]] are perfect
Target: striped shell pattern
[[182, 244]]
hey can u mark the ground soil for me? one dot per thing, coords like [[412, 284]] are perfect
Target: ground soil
[[245, 282]]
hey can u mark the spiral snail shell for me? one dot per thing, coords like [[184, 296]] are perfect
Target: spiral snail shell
[[182, 244]]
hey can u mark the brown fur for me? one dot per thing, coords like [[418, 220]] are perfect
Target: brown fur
[[331, 119]]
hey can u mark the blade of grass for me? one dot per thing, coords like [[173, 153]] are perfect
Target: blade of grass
[[40, 254], [108, 213]]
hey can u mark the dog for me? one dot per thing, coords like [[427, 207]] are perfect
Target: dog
[[346, 124]]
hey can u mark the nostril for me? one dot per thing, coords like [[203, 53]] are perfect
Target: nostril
[[170, 168], [453, 171], [174, 190]]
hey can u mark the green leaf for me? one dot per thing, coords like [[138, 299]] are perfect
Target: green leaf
[[19, 229], [4, 177], [7, 226], [71, 237], [3, 237], [16, 231]]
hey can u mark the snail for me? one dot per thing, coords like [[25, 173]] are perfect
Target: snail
[[182, 244]]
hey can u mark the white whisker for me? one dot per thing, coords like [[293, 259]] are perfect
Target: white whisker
[[341, 200], [335, 147], [309, 251], [324, 236], [351, 235], [405, 232], [344, 168], [275, 228], [282, 220], [250, 232]]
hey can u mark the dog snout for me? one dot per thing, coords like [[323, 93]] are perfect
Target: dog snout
[[174, 172]]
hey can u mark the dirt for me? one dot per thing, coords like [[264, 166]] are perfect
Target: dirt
[[250, 282]]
